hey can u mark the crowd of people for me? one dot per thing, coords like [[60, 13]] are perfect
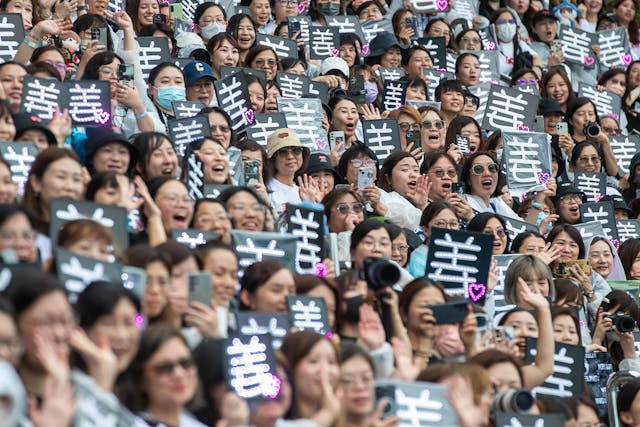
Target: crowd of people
[[111, 356]]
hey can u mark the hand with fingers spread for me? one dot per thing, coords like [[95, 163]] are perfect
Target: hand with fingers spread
[[549, 254], [578, 275], [309, 190], [58, 405], [494, 274], [121, 18], [336, 152], [151, 209], [60, 125], [370, 112], [420, 195], [408, 366], [527, 297], [371, 335], [462, 399], [102, 363], [204, 319], [331, 402], [48, 356], [64, 9]]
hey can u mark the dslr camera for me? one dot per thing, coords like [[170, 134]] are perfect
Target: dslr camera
[[379, 273]]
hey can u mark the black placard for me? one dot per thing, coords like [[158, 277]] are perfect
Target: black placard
[[264, 125], [192, 237], [324, 42], [185, 131], [515, 227], [293, 85], [568, 369], [381, 136], [394, 94], [526, 157], [254, 246], [194, 177], [601, 212], [592, 184], [509, 109], [460, 260], [607, 103], [153, 51], [233, 97], [254, 323], [20, 156], [306, 312], [348, 24], [226, 71], [628, 229], [577, 46], [614, 48], [624, 147], [482, 91], [11, 35], [307, 224], [112, 217], [390, 74], [597, 373], [435, 77], [185, 109], [212, 191], [371, 29], [500, 305], [507, 419], [437, 50], [304, 116], [489, 65], [284, 48], [76, 272]]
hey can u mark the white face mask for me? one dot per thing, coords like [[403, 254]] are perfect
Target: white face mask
[[506, 32], [208, 31]]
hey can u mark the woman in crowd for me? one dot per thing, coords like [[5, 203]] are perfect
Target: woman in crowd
[[265, 286]]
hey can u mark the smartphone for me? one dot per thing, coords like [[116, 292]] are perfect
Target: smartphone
[[159, 18], [562, 128], [507, 331], [356, 88], [413, 140], [342, 187], [450, 312], [99, 34], [125, 73], [463, 144], [387, 392], [365, 177], [336, 137], [563, 268], [200, 288], [251, 171], [538, 124], [175, 10], [458, 187], [556, 46], [412, 22], [292, 29], [134, 279]]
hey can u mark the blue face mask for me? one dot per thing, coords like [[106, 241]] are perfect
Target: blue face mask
[[166, 94]]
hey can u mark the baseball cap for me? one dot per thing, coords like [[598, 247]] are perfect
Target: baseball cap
[[334, 63], [195, 71], [282, 138]]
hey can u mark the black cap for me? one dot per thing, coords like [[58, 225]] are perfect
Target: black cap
[[24, 122], [541, 15], [567, 188], [381, 43], [101, 136], [619, 204], [548, 106], [321, 162]]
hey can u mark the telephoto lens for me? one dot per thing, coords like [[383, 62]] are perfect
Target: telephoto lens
[[513, 400], [379, 273], [591, 129], [622, 322]]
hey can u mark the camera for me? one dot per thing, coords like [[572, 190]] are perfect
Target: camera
[[591, 129], [379, 273], [622, 322], [513, 400]]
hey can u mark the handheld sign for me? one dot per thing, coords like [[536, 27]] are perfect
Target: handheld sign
[[598, 369], [592, 184], [513, 227], [576, 46], [371, 29], [307, 225], [293, 85], [304, 117], [11, 35], [500, 305], [589, 230], [381, 136], [489, 65], [193, 174], [607, 103], [624, 147], [391, 74], [482, 91], [76, 272], [323, 42], [253, 323], [254, 246], [233, 97], [394, 94], [192, 237], [185, 131], [437, 50], [349, 24], [435, 77], [628, 229], [20, 156], [509, 109], [226, 71], [568, 369], [508, 419], [284, 48], [307, 312], [111, 217], [460, 260], [614, 48], [153, 51], [264, 125], [601, 212], [527, 160], [185, 109]]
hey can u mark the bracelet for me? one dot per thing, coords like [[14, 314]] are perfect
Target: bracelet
[[141, 115], [33, 44], [81, 8]]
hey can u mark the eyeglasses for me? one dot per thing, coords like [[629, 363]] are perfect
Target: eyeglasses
[[594, 159], [452, 225], [479, 169], [428, 124], [522, 82], [269, 62], [499, 232], [568, 198], [255, 207], [370, 243], [283, 152], [405, 126], [221, 128], [400, 248], [288, 2], [358, 163], [203, 85], [166, 368], [350, 382], [440, 173], [614, 131], [203, 220], [505, 21], [344, 208], [209, 21], [60, 66], [173, 199], [64, 320], [474, 40]]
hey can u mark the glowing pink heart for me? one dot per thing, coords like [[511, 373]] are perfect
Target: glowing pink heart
[[102, 117], [543, 177], [335, 52], [615, 243], [627, 58], [442, 70], [523, 127], [476, 291], [589, 60], [494, 82], [365, 49], [249, 116], [599, 197], [614, 115], [321, 269], [272, 387], [301, 8], [442, 5], [491, 45], [321, 144]]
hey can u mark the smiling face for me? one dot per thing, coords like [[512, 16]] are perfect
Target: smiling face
[[320, 361], [246, 34], [376, 243], [271, 297], [483, 182], [17, 233], [451, 102], [568, 247], [357, 381], [212, 216], [256, 96], [155, 292], [176, 206], [162, 162], [11, 79], [495, 228], [113, 156], [267, 62], [345, 117], [564, 330], [625, 12], [392, 58], [62, 179], [419, 60], [558, 89], [246, 211], [224, 54], [215, 163], [441, 175], [470, 41], [339, 213], [261, 11], [569, 208], [146, 10]]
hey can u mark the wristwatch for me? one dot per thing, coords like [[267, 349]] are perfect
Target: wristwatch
[[589, 295]]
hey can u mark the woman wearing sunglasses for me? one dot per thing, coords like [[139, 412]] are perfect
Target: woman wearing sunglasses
[[344, 210], [480, 173], [433, 129], [161, 379]]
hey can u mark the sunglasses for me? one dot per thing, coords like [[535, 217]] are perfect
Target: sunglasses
[[611, 130], [285, 151], [522, 82], [479, 169], [451, 173], [166, 368], [428, 124], [344, 208]]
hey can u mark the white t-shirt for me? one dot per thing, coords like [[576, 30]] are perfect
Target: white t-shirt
[[282, 194]]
